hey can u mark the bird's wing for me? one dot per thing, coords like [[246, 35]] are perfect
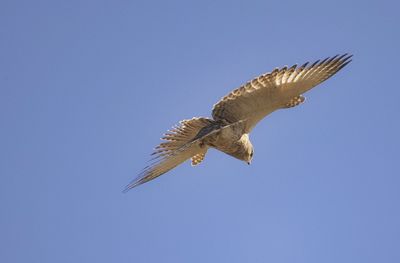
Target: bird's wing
[[274, 90], [180, 144], [165, 163], [166, 160]]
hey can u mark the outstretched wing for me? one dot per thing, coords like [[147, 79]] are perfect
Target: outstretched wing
[[275, 90], [165, 163], [166, 160], [179, 144]]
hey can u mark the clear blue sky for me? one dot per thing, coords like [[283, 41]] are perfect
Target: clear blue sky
[[88, 87]]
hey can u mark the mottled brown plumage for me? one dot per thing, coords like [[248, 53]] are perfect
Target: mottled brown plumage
[[236, 114]]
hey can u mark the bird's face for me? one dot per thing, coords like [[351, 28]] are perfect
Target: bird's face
[[248, 150], [249, 154]]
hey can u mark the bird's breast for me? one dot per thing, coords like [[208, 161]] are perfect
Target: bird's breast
[[225, 140]]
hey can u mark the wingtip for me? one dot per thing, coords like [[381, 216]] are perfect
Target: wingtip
[[345, 57], [130, 186], [136, 182], [344, 64], [127, 188]]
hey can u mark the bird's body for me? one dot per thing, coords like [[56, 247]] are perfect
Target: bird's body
[[235, 115], [230, 139]]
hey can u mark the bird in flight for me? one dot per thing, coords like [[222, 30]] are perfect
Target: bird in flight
[[235, 115]]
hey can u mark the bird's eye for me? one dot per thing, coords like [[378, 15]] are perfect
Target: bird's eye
[[251, 154]]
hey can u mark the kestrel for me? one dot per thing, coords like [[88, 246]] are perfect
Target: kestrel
[[235, 115]]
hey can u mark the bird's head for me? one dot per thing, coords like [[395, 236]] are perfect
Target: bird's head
[[247, 150]]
